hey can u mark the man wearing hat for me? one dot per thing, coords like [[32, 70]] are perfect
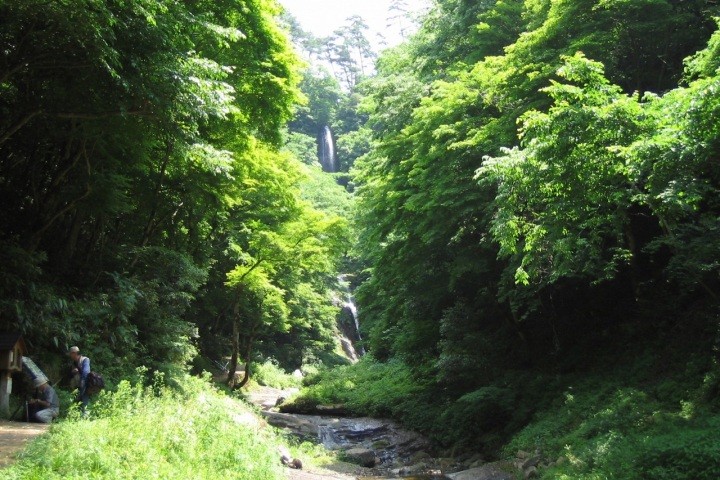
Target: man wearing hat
[[47, 406], [81, 370]]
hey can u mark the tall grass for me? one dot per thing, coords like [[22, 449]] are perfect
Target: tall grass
[[271, 374], [366, 388], [153, 432]]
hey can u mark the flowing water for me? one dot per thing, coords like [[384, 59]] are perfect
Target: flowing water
[[393, 446], [326, 150], [349, 318]]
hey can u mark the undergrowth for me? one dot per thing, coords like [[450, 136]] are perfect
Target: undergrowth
[[154, 432], [271, 374], [623, 423], [368, 388], [599, 431]]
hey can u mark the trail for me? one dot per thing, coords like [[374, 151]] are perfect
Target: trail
[[14, 436]]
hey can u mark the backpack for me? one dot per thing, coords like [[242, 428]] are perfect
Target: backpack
[[94, 383]]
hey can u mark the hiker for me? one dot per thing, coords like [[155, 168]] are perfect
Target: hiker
[[47, 406], [80, 371]]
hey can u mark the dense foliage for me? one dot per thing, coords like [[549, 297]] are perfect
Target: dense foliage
[[540, 200], [533, 186], [147, 211]]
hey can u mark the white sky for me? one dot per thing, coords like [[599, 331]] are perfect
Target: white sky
[[322, 17]]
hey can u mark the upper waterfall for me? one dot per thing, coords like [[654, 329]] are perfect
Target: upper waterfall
[[326, 150]]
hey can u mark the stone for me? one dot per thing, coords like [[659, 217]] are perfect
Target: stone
[[523, 455], [531, 472], [490, 471], [447, 463], [293, 423], [478, 457], [287, 459], [339, 410], [361, 456], [412, 470], [531, 462], [419, 457]]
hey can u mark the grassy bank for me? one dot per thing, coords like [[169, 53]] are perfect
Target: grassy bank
[[630, 421], [598, 430], [147, 432]]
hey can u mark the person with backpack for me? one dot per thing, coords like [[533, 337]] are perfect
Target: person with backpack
[[80, 371]]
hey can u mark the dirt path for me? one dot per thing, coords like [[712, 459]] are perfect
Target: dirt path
[[318, 474], [14, 436]]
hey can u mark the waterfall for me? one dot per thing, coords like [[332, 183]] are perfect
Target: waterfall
[[328, 438], [326, 148], [350, 319], [353, 311]]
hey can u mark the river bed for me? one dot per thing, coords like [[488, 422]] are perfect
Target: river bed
[[386, 450]]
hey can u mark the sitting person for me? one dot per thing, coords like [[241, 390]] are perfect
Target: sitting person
[[47, 406]]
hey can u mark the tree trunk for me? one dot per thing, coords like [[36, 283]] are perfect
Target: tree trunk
[[232, 368], [515, 325], [248, 355], [153, 221]]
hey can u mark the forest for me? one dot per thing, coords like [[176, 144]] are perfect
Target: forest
[[523, 197]]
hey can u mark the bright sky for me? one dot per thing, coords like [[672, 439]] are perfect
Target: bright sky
[[322, 17]]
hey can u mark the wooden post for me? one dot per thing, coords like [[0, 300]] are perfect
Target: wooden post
[[5, 389]]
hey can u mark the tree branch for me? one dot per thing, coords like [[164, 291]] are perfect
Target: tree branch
[[9, 133]]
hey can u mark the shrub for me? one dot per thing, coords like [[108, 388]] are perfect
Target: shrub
[[610, 432], [475, 416], [271, 375], [366, 388]]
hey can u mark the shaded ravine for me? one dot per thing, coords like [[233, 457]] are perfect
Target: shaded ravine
[[386, 450]]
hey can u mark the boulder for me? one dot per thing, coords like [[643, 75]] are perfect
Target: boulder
[[332, 410], [531, 462], [478, 457], [293, 423], [361, 456], [490, 471], [411, 470], [531, 472], [523, 455], [419, 457]]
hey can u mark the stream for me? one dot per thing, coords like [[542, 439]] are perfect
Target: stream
[[382, 447]]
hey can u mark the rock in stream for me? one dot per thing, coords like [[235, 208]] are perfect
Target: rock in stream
[[381, 446]]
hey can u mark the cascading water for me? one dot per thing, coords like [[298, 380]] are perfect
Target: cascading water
[[328, 438], [350, 305], [350, 319], [351, 308], [326, 149]]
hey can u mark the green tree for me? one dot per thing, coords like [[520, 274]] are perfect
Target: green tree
[[125, 130]]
